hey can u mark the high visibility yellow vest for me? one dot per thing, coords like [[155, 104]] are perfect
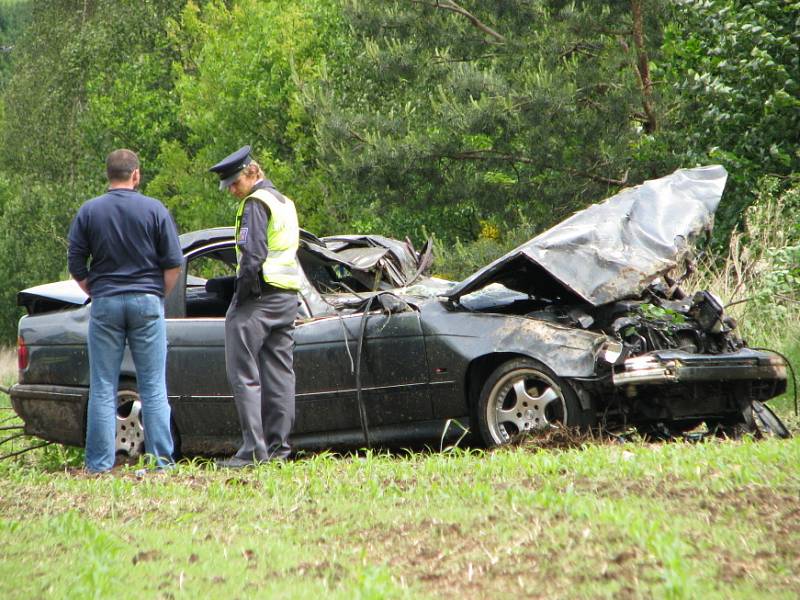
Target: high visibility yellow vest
[[281, 268]]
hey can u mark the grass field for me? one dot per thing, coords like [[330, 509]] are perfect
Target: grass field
[[718, 519]]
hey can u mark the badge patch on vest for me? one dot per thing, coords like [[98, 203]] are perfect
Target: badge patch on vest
[[242, 236]]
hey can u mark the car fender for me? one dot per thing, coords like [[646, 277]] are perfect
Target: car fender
[[567, 351]]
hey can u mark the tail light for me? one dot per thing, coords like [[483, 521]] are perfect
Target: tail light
[[22, 354]]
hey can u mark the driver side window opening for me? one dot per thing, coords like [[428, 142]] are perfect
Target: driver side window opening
[[210, 276], [209, 282]]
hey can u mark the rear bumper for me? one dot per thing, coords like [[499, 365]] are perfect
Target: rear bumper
[[668, 367], [53, 413]]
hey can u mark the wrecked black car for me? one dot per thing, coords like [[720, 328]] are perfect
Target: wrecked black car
[[581, 326]]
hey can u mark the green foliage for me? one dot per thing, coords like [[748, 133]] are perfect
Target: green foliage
[[188, 191], [33, 246], [658, 313], [14, 15], [462, 258], [85, 83], [773, 248], [97, 84], [430, 120], [238, 74], [55, 457], [736, 68]]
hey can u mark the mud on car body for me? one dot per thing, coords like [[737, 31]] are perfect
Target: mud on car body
[[580, 326]]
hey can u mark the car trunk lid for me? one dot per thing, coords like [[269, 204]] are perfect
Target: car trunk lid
[[52, 296]]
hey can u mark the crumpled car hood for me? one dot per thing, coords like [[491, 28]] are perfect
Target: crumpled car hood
[[614, 249]]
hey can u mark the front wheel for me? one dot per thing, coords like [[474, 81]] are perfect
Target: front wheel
[[522, 396]]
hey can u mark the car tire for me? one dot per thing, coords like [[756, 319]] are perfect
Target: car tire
[[521, 397], [129, 437]]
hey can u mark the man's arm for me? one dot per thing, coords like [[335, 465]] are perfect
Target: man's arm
[[170, 279], [252, 243], [84, 284], [78, 253], [169, 250]]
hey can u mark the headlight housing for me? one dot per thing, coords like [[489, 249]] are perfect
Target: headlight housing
[[611, 351]]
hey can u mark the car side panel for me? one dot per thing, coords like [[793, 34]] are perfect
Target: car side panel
[[455, 338], [57, 350], [394, 368], [393, 372]]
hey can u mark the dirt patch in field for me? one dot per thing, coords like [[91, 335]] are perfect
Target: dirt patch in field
[[457, 560]]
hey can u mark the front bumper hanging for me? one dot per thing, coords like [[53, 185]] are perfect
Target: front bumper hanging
[[674, 366]]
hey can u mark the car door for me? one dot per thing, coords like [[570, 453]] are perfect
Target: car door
[[393, 371], [197, 382]]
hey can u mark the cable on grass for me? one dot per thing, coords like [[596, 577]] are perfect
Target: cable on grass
[[24, 450]]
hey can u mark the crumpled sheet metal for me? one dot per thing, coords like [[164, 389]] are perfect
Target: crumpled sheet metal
[[396, 260], [615, 249]]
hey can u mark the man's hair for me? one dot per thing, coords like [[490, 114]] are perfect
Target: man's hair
[[253, 169], [121, 164]]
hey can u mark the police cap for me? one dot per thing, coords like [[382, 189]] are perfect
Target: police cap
[[229, 167]]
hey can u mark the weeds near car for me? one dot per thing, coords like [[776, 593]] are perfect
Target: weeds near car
[[8, 364]]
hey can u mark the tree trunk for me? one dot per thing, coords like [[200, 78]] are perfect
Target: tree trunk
[[643, 68]]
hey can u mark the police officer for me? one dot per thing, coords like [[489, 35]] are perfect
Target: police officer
[[259, 324]]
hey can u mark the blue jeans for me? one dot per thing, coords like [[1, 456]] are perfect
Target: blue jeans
[[139, 318]]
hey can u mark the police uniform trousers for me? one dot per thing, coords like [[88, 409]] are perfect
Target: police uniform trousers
[[259, 343]]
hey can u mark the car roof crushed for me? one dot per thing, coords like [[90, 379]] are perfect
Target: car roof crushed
[[376, 262], [614, 249]]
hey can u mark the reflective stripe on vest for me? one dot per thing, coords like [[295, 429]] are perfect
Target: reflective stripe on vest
[[281, 268]]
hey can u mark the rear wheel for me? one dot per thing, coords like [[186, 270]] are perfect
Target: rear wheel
[[129, 439], [522, 396]]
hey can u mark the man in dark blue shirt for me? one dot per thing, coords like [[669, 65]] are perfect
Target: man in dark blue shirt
[[135, 258]]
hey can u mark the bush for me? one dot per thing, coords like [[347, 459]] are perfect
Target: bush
[[461, 259], [759, 277]]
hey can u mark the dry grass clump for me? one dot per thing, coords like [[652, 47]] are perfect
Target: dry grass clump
[[563, 438], [8, 365], [745, 277]]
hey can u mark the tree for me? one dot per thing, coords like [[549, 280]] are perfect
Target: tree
[[84, 83], [13, 17], [238, 76], [736, 70], [463, 117]]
